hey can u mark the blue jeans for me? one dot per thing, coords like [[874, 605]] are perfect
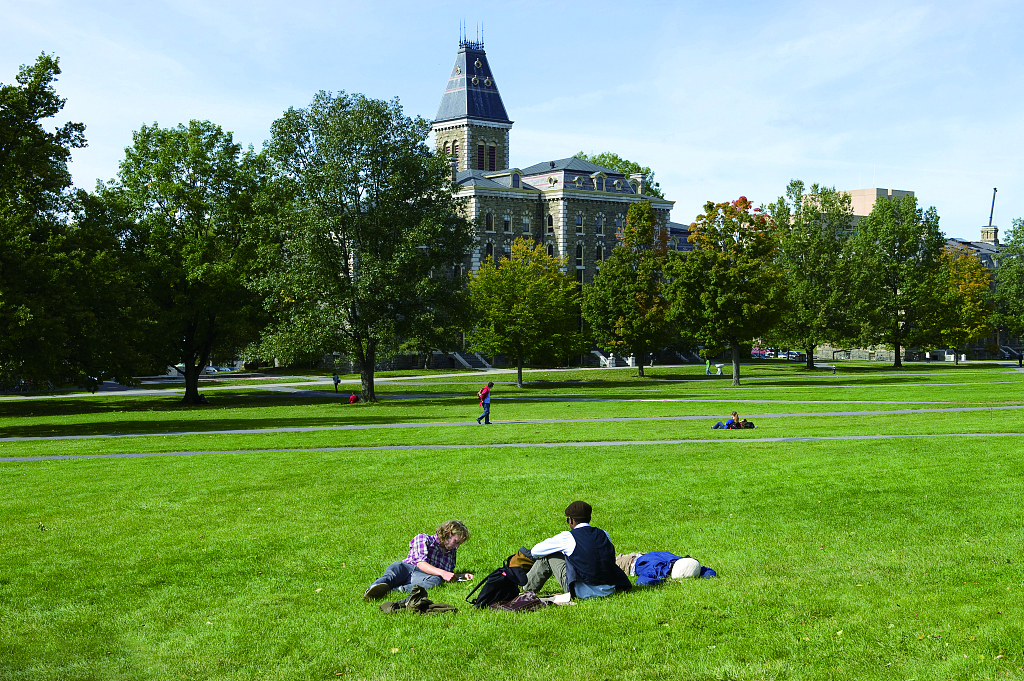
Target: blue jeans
[[486, 416], [402, 576]]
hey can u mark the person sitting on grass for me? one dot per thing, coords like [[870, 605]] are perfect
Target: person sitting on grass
[[734, 422], [430, 562], [581, 558], [653, 567]]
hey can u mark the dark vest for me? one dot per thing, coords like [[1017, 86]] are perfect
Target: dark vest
[[593, 560]]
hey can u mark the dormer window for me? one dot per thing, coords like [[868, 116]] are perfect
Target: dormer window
[[599, 183], [578, 181], [515, 180]]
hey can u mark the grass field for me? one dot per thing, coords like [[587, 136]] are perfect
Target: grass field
[[890, 558]]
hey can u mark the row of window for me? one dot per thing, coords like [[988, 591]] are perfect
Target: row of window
[[599, 223], [598, 256]]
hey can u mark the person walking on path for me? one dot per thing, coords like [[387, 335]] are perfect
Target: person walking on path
[[430, 562], [707, 367], [485, 402], [336, 382]]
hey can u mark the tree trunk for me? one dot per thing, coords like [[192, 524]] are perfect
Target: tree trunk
[[519, 367], [898, 364], [735, 362], [956, 357], [640, 363], [367, 357], [192, 382], [810, 356]]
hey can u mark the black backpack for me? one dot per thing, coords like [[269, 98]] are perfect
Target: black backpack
[[498, 587]]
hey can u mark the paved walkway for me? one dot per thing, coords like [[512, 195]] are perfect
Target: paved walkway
[[543, 445], [444, 424]]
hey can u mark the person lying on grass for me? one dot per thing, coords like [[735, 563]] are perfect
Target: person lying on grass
[[734, 422], [430, 562], [653, 567], [581, 558]]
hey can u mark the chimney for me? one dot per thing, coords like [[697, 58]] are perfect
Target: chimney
[[640, 178], [990, 235]]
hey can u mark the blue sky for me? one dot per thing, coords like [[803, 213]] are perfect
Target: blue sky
[[720, 99]]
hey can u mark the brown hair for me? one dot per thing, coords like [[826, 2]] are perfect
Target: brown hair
[[452, 528], [579, 511]]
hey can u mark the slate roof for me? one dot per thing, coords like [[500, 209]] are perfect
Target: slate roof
[[464, 99], [479, 178], [572, 163]]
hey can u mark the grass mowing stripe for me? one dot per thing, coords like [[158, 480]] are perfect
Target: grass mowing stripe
[[549, 445], [626, 419]]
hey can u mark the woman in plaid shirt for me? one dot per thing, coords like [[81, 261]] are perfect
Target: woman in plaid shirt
[[430, 562]]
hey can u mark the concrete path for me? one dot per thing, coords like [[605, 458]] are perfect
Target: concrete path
[[444, 424], [489, 446]]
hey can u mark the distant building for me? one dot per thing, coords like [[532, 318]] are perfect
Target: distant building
[[863, 200], [572, 206]]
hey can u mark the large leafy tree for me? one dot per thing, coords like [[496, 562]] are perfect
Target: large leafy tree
[[896, 250], [965, 301], [730, 289], [1009, 279], [192, 198], [815, 229], [371, 232], [525, 306], [626, 304], [67, 294], [626, 167]]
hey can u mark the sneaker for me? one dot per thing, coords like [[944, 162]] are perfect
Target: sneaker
[[376, 592]]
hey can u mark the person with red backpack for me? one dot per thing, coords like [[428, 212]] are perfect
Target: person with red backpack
[[485, 402]]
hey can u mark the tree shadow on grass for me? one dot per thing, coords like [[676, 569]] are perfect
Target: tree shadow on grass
[[336, 414]]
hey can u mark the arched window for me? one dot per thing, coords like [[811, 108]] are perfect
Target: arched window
[[579, 255], [455, 150], [480, 157], [551, 224], [579, 223], [489, 250], [551, 249], [489, 222], [599, 225], [526, 225], [599, 182], [490, 157], [600, 252], [506, 224], [515, 181], [447, 149]]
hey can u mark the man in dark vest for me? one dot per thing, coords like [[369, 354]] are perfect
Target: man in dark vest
[[582, 559]]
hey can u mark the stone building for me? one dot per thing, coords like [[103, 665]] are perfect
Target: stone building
[[572, 206]]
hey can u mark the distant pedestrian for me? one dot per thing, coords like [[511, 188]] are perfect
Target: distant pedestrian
[[485, 402], [707, 367], [336, 382]]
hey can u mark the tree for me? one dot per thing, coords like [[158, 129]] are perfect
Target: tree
[[372, 237], [66, 290], [896, 250], [1009, 279], [965, 308], [815, 231], [525, 305], [608, 159], [192, 198], [729, 289], [626, 305]]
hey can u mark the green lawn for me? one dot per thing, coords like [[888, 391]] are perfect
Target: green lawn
[[846, 559]]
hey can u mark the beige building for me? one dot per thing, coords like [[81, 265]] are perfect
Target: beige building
[[864, 199]]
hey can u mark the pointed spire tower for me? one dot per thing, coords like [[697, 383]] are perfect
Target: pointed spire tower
[[471, 124]]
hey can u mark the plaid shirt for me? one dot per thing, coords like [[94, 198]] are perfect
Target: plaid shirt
[[427, 547]]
